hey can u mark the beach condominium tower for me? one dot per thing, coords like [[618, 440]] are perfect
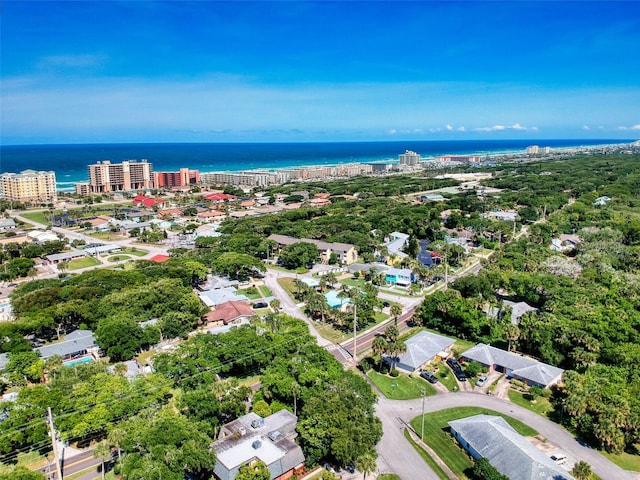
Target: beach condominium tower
[[106, 177], [29, 186]]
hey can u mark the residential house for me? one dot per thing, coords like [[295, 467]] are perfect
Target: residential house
[[399, 276], [212, 298], [395, 243], [346, 253], [491, 437], [422, 348], [565, 243], [252, 438], [425, 256], [159, 258], [517, 310], [75, 344], [522, 368], [229, 314], [600, 201], [65, 256], [507, 216], [7, 224]]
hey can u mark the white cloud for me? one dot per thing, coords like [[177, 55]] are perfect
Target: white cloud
[[393, 131], [460, 129], [633, 127], [586, 127], [448, 127], [500, 128]]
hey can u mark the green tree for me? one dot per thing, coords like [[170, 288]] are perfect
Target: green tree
[[298, 254], [582, 471], [102, 451], [483, 470], [256, 470], [120, 338], [238, 266], [366, 463]]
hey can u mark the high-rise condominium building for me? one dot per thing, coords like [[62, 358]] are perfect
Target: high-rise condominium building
[[182, 178], [29, 186], [409, 158], [105, 177]]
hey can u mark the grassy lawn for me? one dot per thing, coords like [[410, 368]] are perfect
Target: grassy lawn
[[117, 258], [38, 217], [83, 263], [402, 387], [251, 293], [426, 457], [289, 286], [445, 375], [461, 346], [352, 282], [327, 331], [105, 235], [436, 435], [624, 460], [400, 293], [542, 406], [136, 252], [264, 290], [389, 476]]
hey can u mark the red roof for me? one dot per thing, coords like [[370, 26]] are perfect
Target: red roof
[[219, 197], [229, 311], [146, 201], [159, 258]]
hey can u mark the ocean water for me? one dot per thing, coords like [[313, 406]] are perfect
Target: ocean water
[[70, 161]]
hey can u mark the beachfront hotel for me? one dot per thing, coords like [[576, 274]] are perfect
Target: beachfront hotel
[[29, 186], [106, 177]]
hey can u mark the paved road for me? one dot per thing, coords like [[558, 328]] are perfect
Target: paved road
[[395, 456]]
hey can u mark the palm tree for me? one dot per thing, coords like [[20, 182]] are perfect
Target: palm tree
[[275, 304], [116, 437], [379, 347], [366, 464], [396, 311], [512, 333], [102, 451], [582, 470], [331, 278]]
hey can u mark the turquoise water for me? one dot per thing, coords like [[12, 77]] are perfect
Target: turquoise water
[[70, 161], [78, 361]]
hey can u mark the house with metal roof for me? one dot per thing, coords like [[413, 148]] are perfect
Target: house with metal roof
[[522, 368], [422, 348], [75, 344], [251, 438], [491, 437], [517, 310], [212, 298]]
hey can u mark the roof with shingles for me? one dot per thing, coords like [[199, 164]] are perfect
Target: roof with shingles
[[520, 366], [421, 348], [510, 453]]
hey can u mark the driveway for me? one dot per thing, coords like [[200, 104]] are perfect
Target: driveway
[[399, 457]]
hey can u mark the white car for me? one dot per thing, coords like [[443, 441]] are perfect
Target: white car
[[482, 380]]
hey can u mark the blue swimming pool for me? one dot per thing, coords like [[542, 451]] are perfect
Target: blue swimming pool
[[78, 361]]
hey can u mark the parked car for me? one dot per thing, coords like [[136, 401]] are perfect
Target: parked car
[[428, 376], [260, 305], [482, 380], [386, 304], [457, 369]]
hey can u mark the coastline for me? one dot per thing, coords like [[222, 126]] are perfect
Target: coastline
[[70, 161]]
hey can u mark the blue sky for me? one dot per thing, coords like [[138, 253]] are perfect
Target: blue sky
[[141, 71]]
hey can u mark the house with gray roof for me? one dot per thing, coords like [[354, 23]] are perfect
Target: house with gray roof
[[491, 437], [251, 438], [346, 252], [517, 310], [422, 348], [75, 344], [211, 298], [522, 368], [396, 243]]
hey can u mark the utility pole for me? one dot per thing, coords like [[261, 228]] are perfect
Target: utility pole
[[355, 325], [422, 430], [54, 444]]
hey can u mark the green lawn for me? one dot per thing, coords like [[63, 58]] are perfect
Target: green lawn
[[289, 286], [389, 476], [117, 258], [327, 331], [264, 290], [38, 217], [136, 252], [403, 387], [251, 293], [445, 375], [628, 461], [436, 435], [352, 282], [83, 263], [426, 457], [105, 235], [542, 406]]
